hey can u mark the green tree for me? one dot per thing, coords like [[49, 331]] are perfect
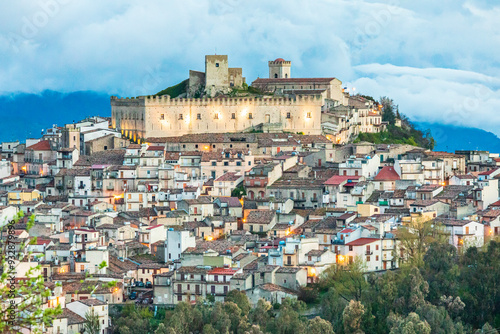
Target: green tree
[[91, 324], [348, 281], [240, 299], [332, 306], [352, 316], [319, 326], [388, 110], [23, 299], [441, 271], [261, 314], [162, 329], [289, 320], [408, 325], [479, 282]]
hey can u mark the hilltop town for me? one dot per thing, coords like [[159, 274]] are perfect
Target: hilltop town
[[219, 185]]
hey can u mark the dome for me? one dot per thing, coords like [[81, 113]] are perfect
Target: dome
[[279, 60]]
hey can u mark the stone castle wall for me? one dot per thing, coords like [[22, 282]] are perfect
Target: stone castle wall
[[165, 117]]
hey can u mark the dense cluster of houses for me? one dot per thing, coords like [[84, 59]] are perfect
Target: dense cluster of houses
[[182, 218]]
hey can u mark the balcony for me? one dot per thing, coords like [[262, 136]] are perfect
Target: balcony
[[298, 199], [369, 252], [110, 187], [314, 199]]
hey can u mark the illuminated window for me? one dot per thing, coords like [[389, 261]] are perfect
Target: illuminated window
[[216, 116], [162, 116], [181, 117], [309, 115], [250, 116]]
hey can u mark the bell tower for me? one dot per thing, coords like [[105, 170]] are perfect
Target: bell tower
[[279, 69]]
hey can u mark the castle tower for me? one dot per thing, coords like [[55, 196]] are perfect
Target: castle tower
[[279, 69], [216, 72]]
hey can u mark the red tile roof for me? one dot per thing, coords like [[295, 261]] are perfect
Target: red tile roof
[[43, 145], [347, 230], [387, 174], [338, 179], [156, 148], [488, 172], [222, 271], [361, 241]]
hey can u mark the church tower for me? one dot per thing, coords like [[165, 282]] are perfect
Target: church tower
[[279, 69]]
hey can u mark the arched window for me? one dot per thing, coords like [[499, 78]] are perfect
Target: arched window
[[275, 75], [286, 75]]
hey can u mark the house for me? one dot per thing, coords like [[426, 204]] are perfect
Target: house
[[367, 250], [190, 284], [270, 292], [91, 305], [218, 282], [430, 205], [225, 184], [464, 233], [260, 221], [386, 178]]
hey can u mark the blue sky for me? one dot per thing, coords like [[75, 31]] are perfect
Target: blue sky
[[439, 60]]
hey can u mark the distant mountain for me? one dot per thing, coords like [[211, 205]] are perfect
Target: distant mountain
[[451, 138], [25, 115]]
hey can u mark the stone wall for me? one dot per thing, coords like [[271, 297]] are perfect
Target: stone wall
[[165, 117]]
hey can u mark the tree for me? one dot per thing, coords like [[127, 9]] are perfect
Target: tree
[[240, 299], [91, 324], [288, 320], [261, 315], [332, 306], [408, 325], [352, 315], [23, 300], [348, 281], [415, 238], [319, 326], [388, 107], [441, 271], [162, 329]]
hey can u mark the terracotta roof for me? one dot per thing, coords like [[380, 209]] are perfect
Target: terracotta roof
[[387, 174], [488, 172], [43, 145], [260, 216], [279, 60], [156, 148], [222, 271], [230, 176], [361, 241], [338, 179]]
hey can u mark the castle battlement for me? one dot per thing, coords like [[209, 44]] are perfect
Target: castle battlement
[[166, 101]]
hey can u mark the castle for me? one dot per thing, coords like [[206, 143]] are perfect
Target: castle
[[286, 104]]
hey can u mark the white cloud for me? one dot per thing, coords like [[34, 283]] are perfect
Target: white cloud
[[430, 57]]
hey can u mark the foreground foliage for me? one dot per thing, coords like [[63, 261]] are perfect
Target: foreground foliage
[[440, 291]]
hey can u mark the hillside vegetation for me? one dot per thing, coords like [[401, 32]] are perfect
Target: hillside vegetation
[[406, 134], [175, 90]]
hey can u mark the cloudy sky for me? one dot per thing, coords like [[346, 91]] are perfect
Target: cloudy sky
[[439, 60]]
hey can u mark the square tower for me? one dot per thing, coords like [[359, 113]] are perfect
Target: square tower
[[279, 69], [216, 72]]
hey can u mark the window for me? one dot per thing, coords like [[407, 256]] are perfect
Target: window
[[216, 278], [216, 64], [250, 116], [196, 146], [309, 115], [198, 116], [162, 116], [233, 116], [368, 258], [288, 115], [249, 163], [350, 248], [214, 163], [238, 163], [226, 163], [376, 258], [216, 116], [181, 117], [376, 247]]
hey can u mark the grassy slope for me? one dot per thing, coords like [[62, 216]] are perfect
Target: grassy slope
[[175, 90]]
